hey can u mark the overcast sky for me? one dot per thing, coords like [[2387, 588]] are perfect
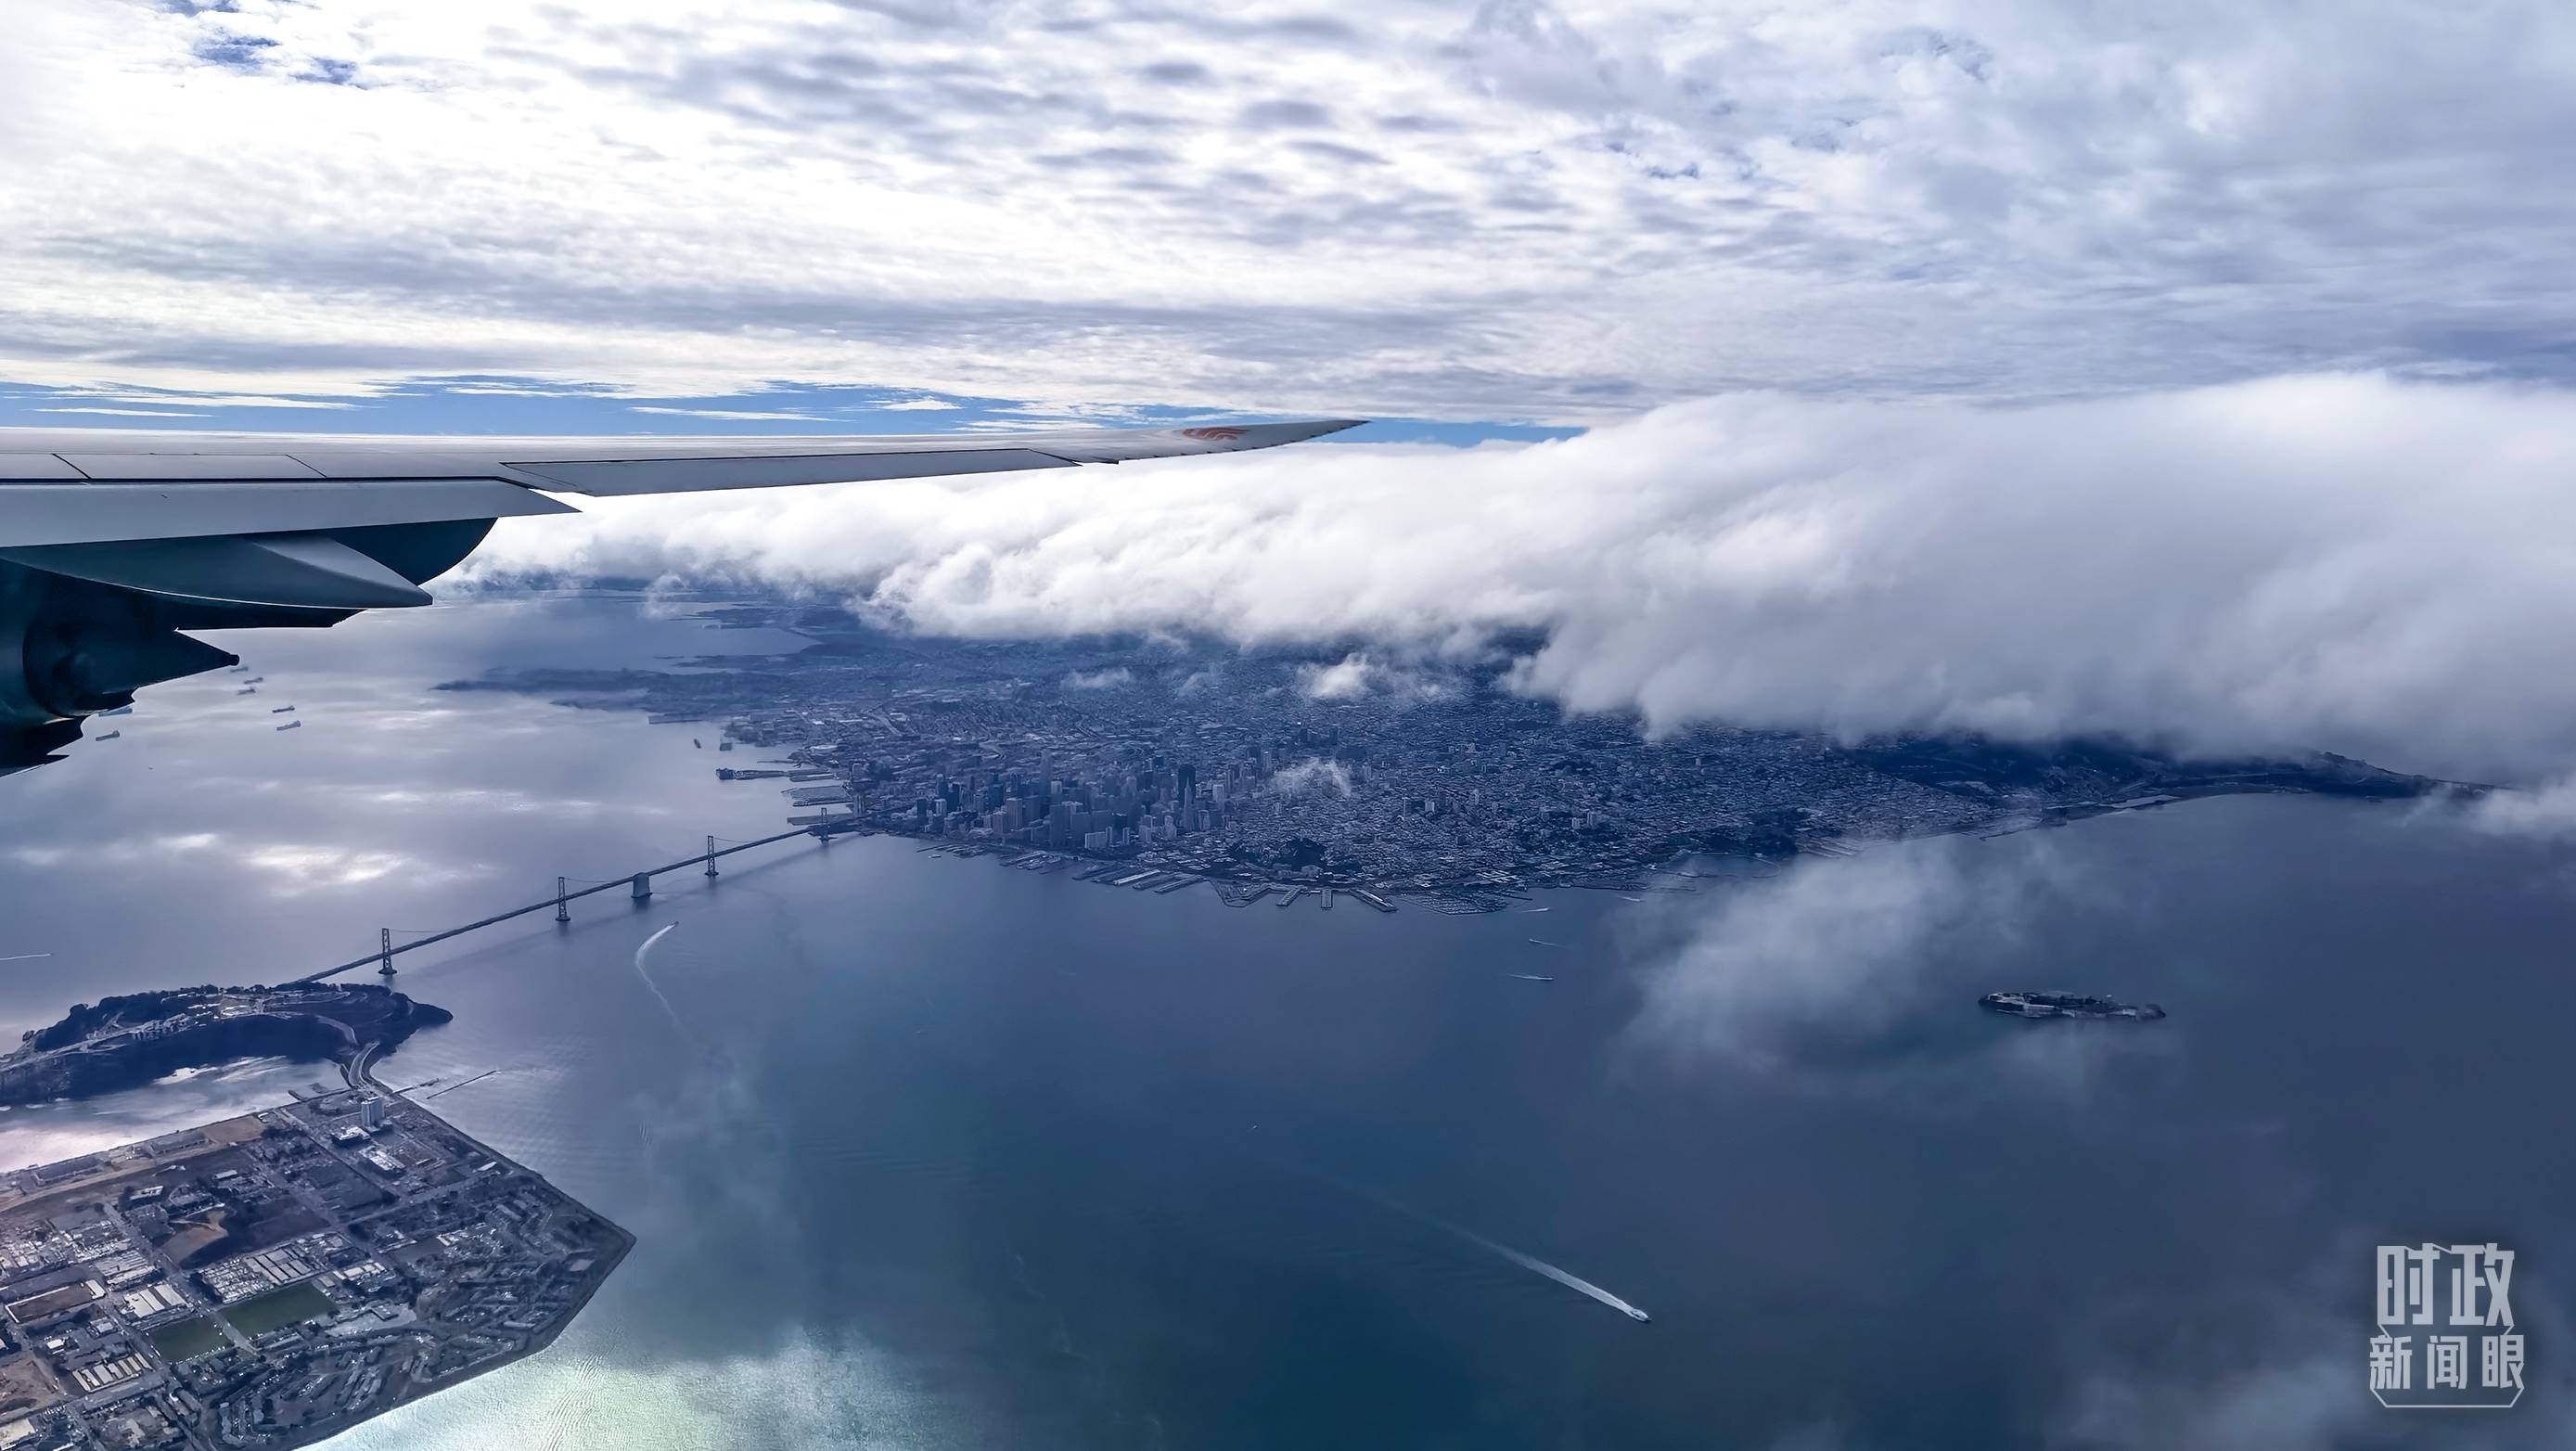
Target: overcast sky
[[2190, 371], [1514, 211]]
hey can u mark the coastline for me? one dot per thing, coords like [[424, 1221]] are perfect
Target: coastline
[[446, 1258], [1467, 897]]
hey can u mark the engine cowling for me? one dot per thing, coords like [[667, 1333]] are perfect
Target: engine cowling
[[72, 649], [83, 627]]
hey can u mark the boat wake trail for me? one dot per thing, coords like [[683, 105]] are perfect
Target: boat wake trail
[[1535, 1265], [1531, 1263], [654, 987], [26, 957]]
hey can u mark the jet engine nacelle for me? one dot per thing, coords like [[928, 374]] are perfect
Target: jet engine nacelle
[[68, 648], [84, 626]]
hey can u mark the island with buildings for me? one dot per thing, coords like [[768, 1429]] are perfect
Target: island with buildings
[[272, 1279], [1334, 770], [128, 1041]]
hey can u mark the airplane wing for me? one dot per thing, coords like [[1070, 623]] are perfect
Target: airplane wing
[[112, 541], [177, 485]]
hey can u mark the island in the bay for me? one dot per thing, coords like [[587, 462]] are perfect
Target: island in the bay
[[1335, 769], [128, 1041], [276, 1278]]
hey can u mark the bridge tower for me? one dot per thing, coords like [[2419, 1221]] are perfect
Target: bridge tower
[[385, 950], [643, 887], [711, 856], [563, 909]]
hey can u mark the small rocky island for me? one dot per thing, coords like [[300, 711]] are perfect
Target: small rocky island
[[2069, 1005], [132, 1040]]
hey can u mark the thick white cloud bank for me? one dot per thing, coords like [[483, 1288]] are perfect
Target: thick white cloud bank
[[2343, 562], [1559, 209]]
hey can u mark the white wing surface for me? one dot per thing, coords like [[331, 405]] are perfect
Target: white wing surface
[[116, 544], [183, 485]]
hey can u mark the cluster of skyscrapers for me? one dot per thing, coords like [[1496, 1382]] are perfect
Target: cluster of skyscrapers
[[1161, 801]]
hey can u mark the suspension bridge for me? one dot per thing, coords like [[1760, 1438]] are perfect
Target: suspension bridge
[[639, 886]]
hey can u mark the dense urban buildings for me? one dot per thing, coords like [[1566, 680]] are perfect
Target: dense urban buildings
[[273, 1279], [1334, 769]]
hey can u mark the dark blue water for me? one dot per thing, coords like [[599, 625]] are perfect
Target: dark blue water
[[928, 1152]]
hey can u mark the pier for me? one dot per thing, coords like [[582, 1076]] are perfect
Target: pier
[[639, 886]]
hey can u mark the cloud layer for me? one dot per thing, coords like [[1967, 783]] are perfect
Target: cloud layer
[[1820, 947], [1555, 209], [2346, 562]]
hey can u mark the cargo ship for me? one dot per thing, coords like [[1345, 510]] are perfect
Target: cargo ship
[[2068, 1005]]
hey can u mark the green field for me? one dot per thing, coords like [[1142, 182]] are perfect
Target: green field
[[261, 1314], [187, 1339]]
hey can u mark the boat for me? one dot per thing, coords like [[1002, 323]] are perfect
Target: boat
[[2068, 1005]]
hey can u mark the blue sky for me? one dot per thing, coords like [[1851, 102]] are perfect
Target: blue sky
[[498, 405]]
